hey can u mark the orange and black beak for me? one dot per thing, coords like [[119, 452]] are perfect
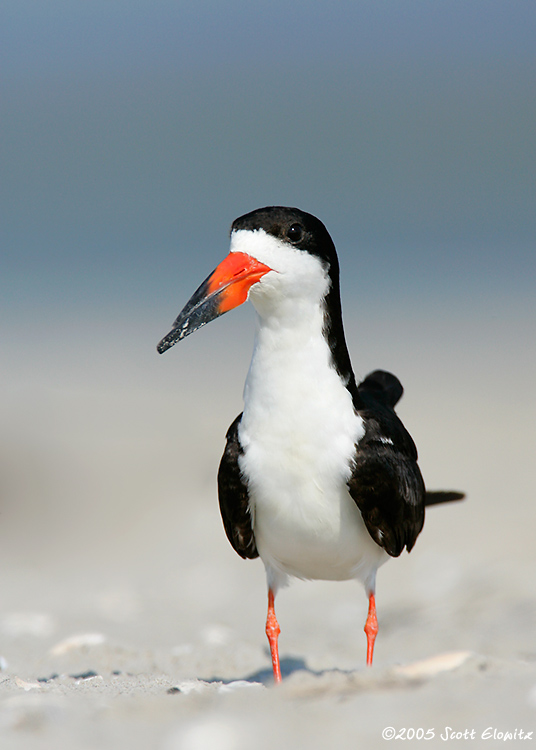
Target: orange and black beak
[[226, 287]]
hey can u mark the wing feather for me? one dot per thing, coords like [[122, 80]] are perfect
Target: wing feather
[[234, 498], [386, 482]]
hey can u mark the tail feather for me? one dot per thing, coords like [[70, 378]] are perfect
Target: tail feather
[[435, 497]]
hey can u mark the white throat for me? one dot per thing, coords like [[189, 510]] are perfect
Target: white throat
[[297, 411]]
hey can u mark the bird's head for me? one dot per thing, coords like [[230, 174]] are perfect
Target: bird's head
[[278, 256]]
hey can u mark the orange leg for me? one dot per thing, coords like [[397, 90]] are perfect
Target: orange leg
[[371, 628], [272, 631]]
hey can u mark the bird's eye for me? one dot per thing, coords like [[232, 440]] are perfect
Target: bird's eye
[[295, 233]]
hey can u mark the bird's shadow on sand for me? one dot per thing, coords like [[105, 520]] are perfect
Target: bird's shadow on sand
[[288, 664]]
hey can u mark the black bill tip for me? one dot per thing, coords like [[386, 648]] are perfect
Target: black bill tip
[[202, 307], [168, 341], [184, 325]]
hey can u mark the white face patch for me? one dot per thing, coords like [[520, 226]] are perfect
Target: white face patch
[[297, 275]]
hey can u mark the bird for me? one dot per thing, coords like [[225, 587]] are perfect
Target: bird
[[319, 477]]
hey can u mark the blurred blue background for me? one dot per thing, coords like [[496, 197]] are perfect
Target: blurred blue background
[[133, 133]]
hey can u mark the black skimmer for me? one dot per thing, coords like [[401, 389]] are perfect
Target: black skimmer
[[319, 477]]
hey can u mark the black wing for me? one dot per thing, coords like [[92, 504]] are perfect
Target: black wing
[[234, 499], [386, 482]]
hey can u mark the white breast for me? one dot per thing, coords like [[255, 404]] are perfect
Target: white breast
[[298, 433]]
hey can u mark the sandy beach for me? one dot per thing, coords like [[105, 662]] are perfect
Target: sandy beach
[[127, 621]]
